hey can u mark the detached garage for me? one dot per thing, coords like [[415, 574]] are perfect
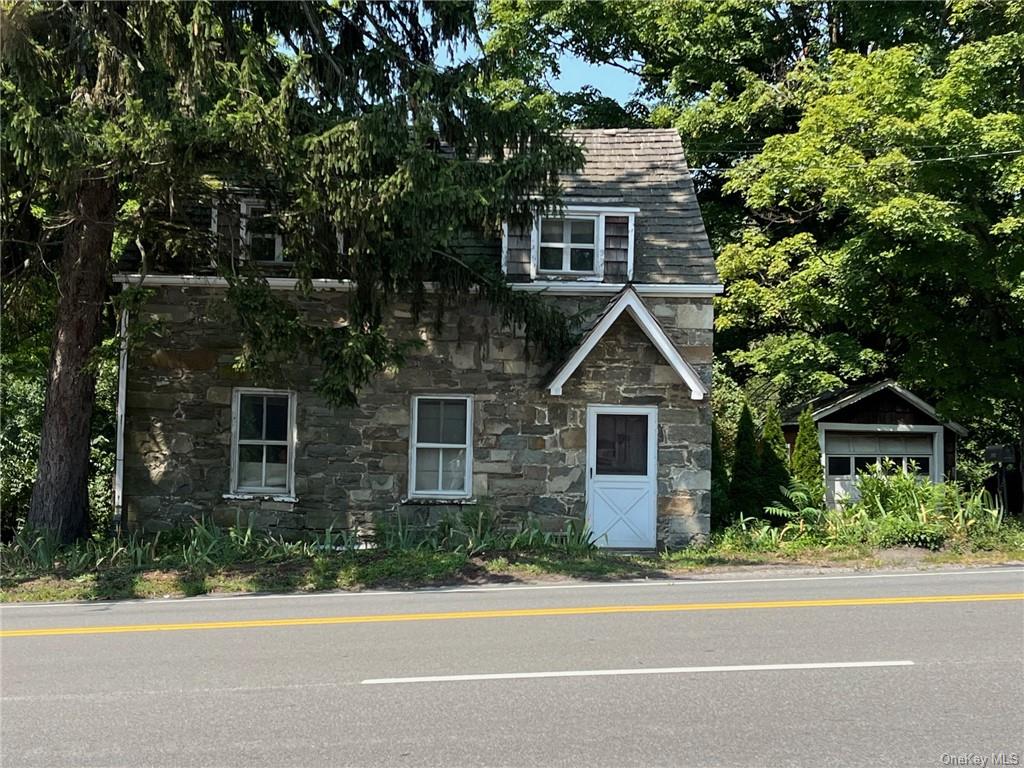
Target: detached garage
[[861, 426]]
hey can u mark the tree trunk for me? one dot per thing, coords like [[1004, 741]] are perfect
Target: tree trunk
[[60, 498]]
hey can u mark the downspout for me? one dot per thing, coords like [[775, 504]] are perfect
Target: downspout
[[122, 387]]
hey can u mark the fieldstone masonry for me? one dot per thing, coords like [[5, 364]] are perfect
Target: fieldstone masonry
[[351, 464]]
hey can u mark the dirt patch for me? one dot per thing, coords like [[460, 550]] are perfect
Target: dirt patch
[[902, 555]]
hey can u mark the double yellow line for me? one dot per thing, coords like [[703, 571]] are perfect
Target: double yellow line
[[509, 614]]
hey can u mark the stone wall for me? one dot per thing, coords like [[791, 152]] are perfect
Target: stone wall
[[351, 465]]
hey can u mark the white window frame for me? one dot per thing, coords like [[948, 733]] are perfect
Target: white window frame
[[902, 460], [598, 212], [566, 245], [291, 442], [245, 206], [936, 431], [467, 491]]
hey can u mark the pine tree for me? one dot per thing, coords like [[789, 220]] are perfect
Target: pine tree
[[774, 457], [720, 516], [805, 465], [119, 114], [745, 488]]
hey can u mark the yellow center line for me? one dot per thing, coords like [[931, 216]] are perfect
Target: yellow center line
[[510, 613]]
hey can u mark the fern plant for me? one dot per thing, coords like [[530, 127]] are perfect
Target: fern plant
[[800, 504]]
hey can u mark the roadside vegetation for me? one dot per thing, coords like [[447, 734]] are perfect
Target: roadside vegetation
[[898, 519]]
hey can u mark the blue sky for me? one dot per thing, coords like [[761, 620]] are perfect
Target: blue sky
[[574, 74], [611, 81]]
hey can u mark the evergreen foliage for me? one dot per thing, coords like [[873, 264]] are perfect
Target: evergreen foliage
[[720, 517], [118, 115], [774, 457], [746, 487], [805, 464]]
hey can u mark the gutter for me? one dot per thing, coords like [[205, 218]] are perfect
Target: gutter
[[122, 387], [548, 287]]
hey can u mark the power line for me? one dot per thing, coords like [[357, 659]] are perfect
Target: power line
[[918, 161]]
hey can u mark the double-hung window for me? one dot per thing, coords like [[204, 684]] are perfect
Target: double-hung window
[[263, 441], [441, 447], [568, 244], [577, 242], [260, 233]]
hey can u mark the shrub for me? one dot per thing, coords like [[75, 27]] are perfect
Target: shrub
[[720, 516], [805, 464], [774, 458], [896, 530], [745, 487]]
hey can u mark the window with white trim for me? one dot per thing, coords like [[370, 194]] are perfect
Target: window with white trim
[[568, 245], [848, 466], [263, 441], [579, 242], [260, 232], [441, 447]]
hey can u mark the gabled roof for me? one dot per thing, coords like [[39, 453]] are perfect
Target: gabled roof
[[830, 402], [646, 168], [629, 300]]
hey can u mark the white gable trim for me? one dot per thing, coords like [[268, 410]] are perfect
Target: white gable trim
[[907, 395], [631, 302]]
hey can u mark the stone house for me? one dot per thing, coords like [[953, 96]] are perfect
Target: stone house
[[618, 435]]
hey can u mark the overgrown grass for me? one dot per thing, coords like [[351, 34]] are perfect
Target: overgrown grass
[[206, 558], [894, 511], [896, 508]]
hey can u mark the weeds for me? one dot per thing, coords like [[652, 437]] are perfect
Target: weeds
[[894, 508], [205, 547]]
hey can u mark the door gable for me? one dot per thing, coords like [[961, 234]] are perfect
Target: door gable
[[629, 301]]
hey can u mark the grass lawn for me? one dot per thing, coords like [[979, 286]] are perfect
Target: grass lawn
[[421, 568]]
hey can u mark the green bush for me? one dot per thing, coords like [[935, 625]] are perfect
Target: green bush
[[720, 516], [746, 486], [774, 456], [895, 530], [805, 463], [894, 508]]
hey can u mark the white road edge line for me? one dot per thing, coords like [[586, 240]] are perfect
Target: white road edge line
[[484, 590], [641, 671]]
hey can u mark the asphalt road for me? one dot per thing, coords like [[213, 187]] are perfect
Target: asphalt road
[[911, 669]]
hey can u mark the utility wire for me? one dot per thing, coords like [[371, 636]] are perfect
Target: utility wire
[[919, 161]]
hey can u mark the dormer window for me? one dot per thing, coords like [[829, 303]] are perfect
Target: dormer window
[[568, 245], [579, 242], [259, 232]]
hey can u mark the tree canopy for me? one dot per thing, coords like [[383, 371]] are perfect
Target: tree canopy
[[117, 115], [860, 167]]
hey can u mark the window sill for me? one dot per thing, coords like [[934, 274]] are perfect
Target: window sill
[[435, 500], [570, 277], [243, 496]]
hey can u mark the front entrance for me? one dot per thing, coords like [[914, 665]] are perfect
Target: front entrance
[[622, 475]]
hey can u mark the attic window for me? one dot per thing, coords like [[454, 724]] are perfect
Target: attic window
[[568, 244], [578, 242], [259, 232]]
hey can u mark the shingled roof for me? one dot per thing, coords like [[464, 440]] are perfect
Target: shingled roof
[[647, 168]]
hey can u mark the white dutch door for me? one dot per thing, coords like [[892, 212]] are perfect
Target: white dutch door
[[622, 475]]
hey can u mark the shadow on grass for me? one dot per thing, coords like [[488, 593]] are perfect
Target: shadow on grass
[[596, 566]]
